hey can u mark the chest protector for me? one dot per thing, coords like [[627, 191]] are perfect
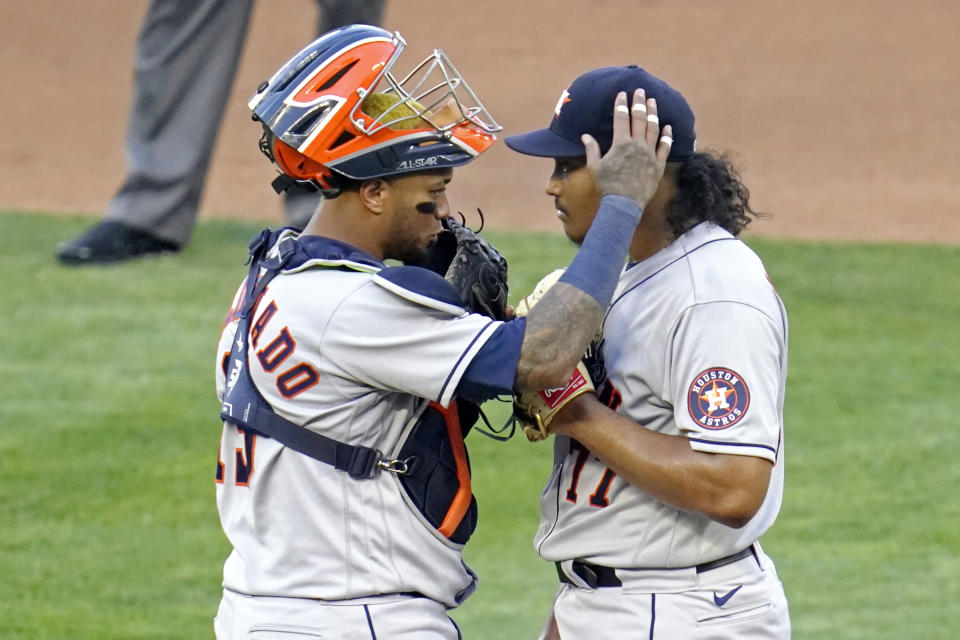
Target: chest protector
[[432, 464]]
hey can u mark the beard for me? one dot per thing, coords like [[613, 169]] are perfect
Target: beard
[[406, 242], [414, 256]]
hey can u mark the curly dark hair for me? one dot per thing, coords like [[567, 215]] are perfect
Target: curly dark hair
[[709, 188]]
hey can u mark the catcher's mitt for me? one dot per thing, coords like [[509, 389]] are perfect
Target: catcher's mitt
[[473, 266]]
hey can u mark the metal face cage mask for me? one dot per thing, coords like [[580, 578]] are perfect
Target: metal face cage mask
[[338, 108]]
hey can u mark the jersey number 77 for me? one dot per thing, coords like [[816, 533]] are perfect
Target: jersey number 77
[[599, 496]]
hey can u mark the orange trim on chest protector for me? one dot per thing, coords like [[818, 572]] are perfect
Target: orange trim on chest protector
[[464, 496]]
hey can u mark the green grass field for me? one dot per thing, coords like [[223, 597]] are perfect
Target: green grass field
[[109, 431]]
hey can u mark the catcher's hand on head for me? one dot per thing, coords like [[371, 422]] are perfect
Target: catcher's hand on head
[[473, 266], [635, 162]]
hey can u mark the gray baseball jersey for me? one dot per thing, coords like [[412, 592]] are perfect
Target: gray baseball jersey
[[340, 350], [696, 346]]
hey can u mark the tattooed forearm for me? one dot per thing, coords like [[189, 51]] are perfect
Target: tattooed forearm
[[559, 328]]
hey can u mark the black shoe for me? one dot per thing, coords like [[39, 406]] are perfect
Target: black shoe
[[111, 242]]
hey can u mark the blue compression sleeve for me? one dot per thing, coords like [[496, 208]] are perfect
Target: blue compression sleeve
[[596, 267], [492, 371]]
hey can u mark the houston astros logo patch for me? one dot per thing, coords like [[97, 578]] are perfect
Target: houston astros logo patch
[[718, 398]]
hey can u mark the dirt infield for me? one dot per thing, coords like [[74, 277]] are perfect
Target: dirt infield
[[843, 116]]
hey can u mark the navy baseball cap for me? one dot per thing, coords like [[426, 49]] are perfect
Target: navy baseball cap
[[587, 107]]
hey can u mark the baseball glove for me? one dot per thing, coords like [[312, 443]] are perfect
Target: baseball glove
[[535, 409], [473, 266], [525, 304]]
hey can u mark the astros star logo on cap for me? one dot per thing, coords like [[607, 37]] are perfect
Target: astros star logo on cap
[[564, 99]]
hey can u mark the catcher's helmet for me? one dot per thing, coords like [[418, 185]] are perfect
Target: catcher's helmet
[[337, 108]]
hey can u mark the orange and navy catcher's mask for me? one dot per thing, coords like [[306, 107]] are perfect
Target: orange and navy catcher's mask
[[338, 108]]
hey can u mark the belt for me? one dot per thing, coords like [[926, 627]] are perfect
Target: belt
[[597, 576]]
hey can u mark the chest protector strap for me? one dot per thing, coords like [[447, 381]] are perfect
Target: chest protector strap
[[243, 404]]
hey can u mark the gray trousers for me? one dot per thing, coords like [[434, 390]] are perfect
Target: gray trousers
[[186, 59]]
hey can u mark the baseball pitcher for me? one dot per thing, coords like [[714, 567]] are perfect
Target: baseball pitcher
[[664, 479]]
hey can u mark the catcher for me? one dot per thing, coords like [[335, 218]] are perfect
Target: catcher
[[347, 384]]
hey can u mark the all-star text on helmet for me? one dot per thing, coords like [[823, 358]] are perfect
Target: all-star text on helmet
[[337, 110]]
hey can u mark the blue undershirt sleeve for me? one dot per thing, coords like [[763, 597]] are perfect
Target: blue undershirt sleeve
[[492, 371]]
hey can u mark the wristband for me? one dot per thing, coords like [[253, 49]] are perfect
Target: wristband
[[596, 267]]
